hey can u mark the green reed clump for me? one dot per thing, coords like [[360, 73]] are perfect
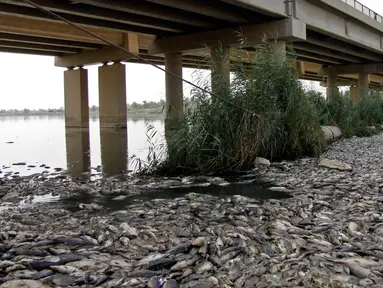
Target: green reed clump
[[370, 108], [352, 118], [277, 119]]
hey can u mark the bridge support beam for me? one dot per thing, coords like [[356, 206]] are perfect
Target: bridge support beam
[[363, 82], [279, 47], [112, 96], [354, 93], [331, 85], [114, 151], [220, 74], [77, 151], [361, 89], [287, 29], [174, 90], [76, 98]]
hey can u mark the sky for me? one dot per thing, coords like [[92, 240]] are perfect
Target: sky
[[33, 82]]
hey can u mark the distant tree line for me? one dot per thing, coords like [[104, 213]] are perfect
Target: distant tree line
[[150, 107], [26, 112]]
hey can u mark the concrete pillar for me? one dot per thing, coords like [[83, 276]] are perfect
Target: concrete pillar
[[114, 151], [174, 90], [331, 85], [279, 47], [354, 93], [220, 74], [363, 84], [112, 96], [76, 98], [77, 150]]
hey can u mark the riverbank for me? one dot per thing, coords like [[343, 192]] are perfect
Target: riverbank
[[101, 233]]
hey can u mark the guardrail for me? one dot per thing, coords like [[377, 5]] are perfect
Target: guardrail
[[365, 10]]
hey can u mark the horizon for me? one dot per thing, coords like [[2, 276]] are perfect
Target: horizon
[[33, 82]]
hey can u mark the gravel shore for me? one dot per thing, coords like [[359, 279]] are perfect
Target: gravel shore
[[303, 225]]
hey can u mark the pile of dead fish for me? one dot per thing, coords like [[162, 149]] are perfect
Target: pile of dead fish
[[329, 234]]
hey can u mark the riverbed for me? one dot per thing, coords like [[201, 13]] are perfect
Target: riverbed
[[293, 224]]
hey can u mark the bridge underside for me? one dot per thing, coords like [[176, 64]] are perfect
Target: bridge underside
[[179, 33]]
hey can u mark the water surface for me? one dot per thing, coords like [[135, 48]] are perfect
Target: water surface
[[44, 140]]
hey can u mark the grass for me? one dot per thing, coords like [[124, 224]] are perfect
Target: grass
[[276, 119]]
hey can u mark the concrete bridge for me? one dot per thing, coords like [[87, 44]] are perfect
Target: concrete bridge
[[338, 42]]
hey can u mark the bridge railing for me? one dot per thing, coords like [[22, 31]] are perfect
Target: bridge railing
[[359, 6]]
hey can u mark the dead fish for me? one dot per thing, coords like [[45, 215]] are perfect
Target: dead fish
[[181, 265], [203, 267], [64, 269], [362, 262], [43, 274], [359, 271], [144, 273]]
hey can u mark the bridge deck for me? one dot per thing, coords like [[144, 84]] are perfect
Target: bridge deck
[[25, 29]]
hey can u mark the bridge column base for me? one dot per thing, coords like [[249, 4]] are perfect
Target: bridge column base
[[77, 150], [174, 110], [220, 74], [76, 98], [112, 96], [114, 151]]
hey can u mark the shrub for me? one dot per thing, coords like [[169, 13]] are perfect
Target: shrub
[[269, 115]]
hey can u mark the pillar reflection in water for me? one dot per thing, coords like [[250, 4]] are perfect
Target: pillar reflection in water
[[114, 151], [77, 150]]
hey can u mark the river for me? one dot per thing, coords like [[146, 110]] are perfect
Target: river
[[44, 142]]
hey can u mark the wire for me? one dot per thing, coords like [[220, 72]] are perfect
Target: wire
[[134, 55]]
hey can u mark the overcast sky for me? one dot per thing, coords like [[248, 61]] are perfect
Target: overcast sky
[[33, 82]]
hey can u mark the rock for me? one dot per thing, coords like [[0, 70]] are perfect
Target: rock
[[371, 128], [334, 164], [261, 162], [336, 132], [327, 134], [23, 284]]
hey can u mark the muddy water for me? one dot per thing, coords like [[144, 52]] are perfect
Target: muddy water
[[258, 190]]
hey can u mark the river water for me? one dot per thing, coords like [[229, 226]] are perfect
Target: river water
[[44, 141]]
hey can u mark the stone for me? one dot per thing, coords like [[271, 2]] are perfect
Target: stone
[[334, 164], [261, 162], [336, 132], [327, 134]]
